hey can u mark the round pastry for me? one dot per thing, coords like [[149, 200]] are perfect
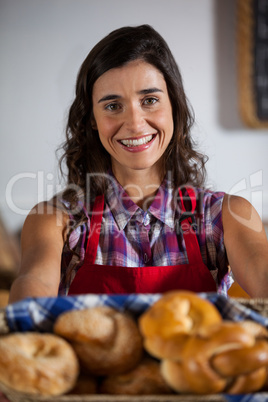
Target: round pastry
[[145, 379], [86, 384], [169, 322], [230, 358], [105, 340], [40, 364]]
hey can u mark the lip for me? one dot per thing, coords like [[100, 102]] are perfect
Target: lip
[[138, 148]]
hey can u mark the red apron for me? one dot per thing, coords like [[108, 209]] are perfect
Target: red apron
[[107, 279]]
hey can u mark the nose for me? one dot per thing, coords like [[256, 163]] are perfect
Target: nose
[[134, 119]]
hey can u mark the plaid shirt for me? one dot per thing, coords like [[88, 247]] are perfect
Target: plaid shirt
[[133, 237]]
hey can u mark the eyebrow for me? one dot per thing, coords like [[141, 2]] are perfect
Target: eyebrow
[[141, 92]]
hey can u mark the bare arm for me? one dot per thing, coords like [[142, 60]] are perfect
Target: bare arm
[[41, 243], [246, 245]]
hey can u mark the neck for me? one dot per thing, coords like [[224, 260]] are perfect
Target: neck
[[140, 185]]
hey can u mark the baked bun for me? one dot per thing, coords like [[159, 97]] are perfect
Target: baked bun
[[105, 340], [176, 316], [145, 379], [230, 358], [4, 296], [86, 384], [40, 364]]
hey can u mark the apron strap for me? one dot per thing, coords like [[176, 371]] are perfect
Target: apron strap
[[191, 196], [188, 226], [95, 228]]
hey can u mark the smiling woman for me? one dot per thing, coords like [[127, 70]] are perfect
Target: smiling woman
[[135, 216]]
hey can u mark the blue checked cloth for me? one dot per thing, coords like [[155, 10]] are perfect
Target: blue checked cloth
[[39, 314]]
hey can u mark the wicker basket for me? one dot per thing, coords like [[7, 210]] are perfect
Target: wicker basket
[[259, 305]]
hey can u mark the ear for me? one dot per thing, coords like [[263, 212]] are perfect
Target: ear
[[93, 123]]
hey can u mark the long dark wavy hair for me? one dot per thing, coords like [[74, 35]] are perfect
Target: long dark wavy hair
[[83, 152]]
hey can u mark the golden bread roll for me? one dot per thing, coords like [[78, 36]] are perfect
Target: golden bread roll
[[105, 340], [169, 322], [264, 388], [145, 379], [40, 364], [230, 358]]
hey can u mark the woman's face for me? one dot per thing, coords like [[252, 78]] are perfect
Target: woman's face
[[133, 115]]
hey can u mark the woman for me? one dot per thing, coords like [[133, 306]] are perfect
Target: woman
[[134, 216]]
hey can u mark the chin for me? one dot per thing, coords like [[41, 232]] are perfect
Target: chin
[[141, 167]]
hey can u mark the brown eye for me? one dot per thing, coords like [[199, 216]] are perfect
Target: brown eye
[[112, 106], [150, 101]]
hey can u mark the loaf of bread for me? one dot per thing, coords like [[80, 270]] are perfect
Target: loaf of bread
[[105, 340], [35, 363]]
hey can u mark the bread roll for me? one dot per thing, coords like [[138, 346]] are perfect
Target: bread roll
[[105, 340], [169, 322], [145, 379], [40, 364], [86, 384], [230, 359]]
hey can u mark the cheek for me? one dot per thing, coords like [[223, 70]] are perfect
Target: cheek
[[165, 120], [106, 128]]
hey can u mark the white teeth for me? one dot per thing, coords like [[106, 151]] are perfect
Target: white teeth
[[135, 143]]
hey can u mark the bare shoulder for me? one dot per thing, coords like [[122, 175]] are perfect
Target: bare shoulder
[[237, 212], [45, 221], [234, 203], [42, 239]]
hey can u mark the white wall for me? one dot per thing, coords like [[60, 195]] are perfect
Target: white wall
[[43, 43]]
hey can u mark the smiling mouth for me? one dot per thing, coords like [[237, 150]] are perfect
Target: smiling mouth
[[137, 142]]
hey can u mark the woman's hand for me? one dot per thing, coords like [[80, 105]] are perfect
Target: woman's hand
[[246, 245]]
